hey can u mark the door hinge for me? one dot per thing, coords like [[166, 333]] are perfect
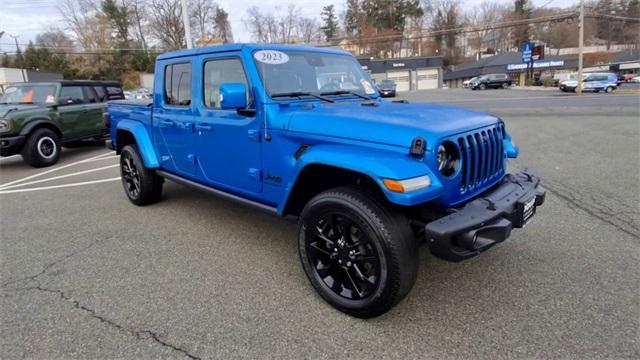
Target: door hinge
[[255, 174], [254, 135]]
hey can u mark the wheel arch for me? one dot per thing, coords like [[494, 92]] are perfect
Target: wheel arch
[[316, 178], [132, 132], [40, 123], [325, 166]]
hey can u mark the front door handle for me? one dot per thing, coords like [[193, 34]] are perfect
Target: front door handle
[[204, 127], [166, 122]]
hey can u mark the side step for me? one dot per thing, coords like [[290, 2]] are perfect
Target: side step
[[216, 192]]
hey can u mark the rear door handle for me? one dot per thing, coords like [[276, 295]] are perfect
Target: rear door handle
[[204, 127]]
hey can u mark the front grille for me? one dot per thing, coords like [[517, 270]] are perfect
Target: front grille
[[482, 155]]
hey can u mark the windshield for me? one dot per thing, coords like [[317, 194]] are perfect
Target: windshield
[[288, 72], [387, 83], [29, 94]]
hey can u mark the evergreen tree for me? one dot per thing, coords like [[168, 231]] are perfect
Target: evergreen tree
[[522, 11], [330, 22]]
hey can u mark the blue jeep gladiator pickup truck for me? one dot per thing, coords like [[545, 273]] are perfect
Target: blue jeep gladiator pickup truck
[[303, 131]]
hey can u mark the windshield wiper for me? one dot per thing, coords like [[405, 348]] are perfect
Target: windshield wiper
[[299, 94], [346, 92]]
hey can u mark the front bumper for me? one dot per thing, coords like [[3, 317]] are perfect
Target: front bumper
[[11, 145], [487, 220]]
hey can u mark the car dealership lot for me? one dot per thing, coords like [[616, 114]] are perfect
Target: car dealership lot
[[85, 274]]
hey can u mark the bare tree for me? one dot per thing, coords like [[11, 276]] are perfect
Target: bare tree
[[54, 38], [270, 28], [138, 21], [308, 30], [201, 13], [82, 18], [165, 23], [485, 15]]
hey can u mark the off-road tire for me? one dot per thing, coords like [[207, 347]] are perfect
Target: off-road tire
[[388, 229], [149, 184], [42, 148]]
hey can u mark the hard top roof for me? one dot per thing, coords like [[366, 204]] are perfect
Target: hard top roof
[[73, 82], [239, 46]]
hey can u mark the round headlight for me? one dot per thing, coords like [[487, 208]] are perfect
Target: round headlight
[[4, 126], [448, 158]]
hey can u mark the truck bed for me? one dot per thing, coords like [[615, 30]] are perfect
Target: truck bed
[[136, 110]]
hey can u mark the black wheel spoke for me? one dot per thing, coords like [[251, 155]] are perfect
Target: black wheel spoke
[[326, 239], [353, 283], [366, 258], [371, 279], [315, 246]]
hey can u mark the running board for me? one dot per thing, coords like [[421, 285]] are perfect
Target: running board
[[216, 192]]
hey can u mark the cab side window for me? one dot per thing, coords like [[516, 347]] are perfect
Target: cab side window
[[114, 93], [177, 84], [71, 95], [89, 94], [218, 72], [101, 93]]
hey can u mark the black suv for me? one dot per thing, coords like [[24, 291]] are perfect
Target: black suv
[[495, 81]]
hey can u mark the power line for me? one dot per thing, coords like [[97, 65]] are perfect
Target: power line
[[460, 30]]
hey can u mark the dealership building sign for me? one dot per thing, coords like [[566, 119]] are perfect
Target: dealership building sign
[[536, 65]]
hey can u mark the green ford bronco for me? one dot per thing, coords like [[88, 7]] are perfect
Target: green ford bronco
[[36, 119]]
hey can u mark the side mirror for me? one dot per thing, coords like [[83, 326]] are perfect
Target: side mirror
[[233, 96]]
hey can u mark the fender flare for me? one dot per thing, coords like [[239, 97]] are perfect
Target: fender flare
[[33, 123], [143, 140], [377, 164]]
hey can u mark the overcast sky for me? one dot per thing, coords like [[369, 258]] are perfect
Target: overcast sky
[[27, 18]]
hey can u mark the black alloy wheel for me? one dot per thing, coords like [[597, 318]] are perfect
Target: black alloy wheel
[[130, 176], [344, 257], [359, 254], [142, 185]]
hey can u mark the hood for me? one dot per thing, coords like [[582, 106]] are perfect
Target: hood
[[5, 109], [389, 123], [569, 83]]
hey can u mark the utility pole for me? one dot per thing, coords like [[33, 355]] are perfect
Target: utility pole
[[15, 37], [185, 21], [580, 46]]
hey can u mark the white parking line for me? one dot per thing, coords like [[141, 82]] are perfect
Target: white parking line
[[57, 177], [94, 158], [58, 186]]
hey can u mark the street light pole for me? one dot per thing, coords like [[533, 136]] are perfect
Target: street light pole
[[580, 46], [185, 21], [15, 37]]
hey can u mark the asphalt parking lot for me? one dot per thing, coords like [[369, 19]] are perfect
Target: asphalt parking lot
[[85, 274]]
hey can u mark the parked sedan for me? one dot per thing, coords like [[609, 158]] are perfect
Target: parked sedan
[[387, 88]]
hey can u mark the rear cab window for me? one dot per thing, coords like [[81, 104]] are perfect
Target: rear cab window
[[177, 84]]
